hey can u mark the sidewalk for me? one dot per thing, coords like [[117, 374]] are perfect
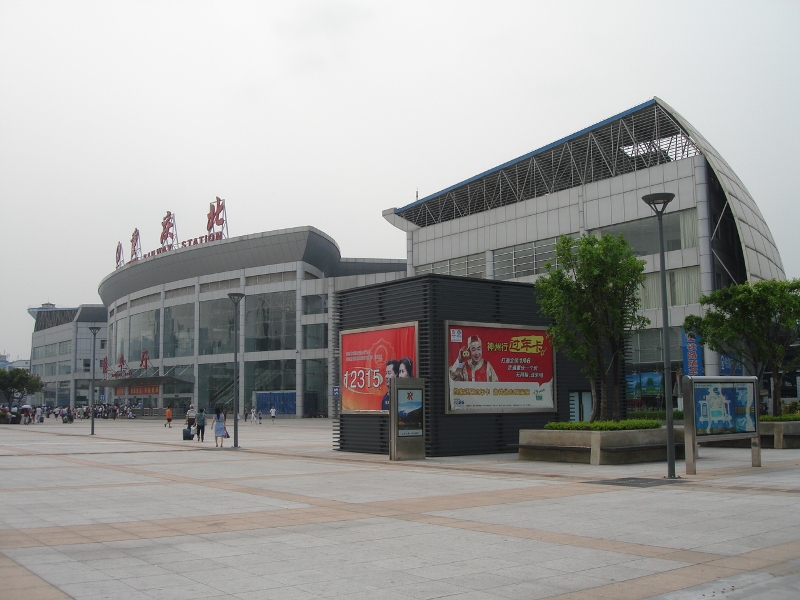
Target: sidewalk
[[135, 512]]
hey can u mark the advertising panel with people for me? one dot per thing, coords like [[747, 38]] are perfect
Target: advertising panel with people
[[370, 358], [499, 368]]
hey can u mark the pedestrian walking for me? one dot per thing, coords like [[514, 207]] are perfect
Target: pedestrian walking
[[168, 415], [272, 414], [259, 417], [253, 415], [191, 416], [201, 425], [219, 427]]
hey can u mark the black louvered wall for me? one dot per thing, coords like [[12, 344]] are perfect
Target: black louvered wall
[[431, 300]]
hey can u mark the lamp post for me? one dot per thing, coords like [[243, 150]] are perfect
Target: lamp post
[[236, 297], [658, 203], [94, 331]]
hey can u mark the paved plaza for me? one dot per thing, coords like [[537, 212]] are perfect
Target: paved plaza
[[135, 512]]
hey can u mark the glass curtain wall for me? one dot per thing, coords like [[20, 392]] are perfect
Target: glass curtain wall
[[268, 376], [315, 336], [121, 331], [215, 386], [145, 333], [179, 330], [216, 326], [270, 321]]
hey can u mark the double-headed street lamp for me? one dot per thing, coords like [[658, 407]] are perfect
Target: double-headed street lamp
[[236, 297], [658, 203], [94, 331]]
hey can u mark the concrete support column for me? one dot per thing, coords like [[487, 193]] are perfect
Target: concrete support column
[[410, 270], [298, 380], [490, 264]]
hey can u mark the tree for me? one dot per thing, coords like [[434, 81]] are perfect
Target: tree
[[17, 383], [755, 324], [592, 295]]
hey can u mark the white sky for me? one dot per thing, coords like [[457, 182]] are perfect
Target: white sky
[[326, 113]]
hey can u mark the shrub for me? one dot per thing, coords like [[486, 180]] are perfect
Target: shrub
[[793, 417], [661, 415], [604, 425]]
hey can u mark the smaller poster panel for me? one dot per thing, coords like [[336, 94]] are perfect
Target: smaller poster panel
[[370, 357], [499, 368], [409, 412], [652, 383], [724, 408]]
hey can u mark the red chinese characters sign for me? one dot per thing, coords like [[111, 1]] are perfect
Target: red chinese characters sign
[[499, 369], [369, 358]]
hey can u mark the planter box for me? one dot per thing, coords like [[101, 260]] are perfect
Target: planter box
[[598, 447], [784, 434]]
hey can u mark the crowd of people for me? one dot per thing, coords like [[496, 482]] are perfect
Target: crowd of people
[[29, 415]]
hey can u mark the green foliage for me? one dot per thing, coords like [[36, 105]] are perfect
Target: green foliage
[[603, 425], [789, 417], [755, 323], [661, 415], [593, 298], [16, 383]]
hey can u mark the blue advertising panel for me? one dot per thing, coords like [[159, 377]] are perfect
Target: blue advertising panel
[[692, 348], [633, 386], [724, 408], [729, 366]]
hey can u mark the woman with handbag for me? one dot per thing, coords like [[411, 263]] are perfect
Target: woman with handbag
[[219, 427]]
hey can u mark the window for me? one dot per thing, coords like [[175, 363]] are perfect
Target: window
[[315, 305], [216, 326], [145, 330], [50, 369], [51, 350], [270, 321], [64, 367], [680, 231], [315, 336], [683, 287], [37, 353], [64, 347], [87, 365], [530, 258], [179, 330], [217, 286], [179, 293], [271, 278], [102, 344], [473, 265]]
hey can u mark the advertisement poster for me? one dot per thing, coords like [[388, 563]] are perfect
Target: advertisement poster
[[721, 408], [652, 383], [369, 358], [499, 369], [692, 350], [409, 412], [633, 386], [729, 366]]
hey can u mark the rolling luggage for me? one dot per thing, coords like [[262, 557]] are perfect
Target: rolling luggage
[[187, 434]]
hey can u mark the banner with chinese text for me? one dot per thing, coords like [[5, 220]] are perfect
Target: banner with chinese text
[[369, 357], [501, 368]]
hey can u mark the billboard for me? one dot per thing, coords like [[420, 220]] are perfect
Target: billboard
[[370, 357], [499, 368], [724, 407]]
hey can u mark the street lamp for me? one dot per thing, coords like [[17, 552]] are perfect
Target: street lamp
[[94, 331], [658, 203], [236, 297]]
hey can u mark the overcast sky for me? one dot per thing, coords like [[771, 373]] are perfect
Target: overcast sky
[[327, 113]]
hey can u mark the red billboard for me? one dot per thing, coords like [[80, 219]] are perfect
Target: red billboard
[[499, 368], [369, 358]]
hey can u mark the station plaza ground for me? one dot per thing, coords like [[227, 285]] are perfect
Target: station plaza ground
[[134, 512]]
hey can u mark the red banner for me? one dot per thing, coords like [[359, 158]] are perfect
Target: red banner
[[369, 358], [499, 368]]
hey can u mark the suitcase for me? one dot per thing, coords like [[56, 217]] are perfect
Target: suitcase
[[187, 434]]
